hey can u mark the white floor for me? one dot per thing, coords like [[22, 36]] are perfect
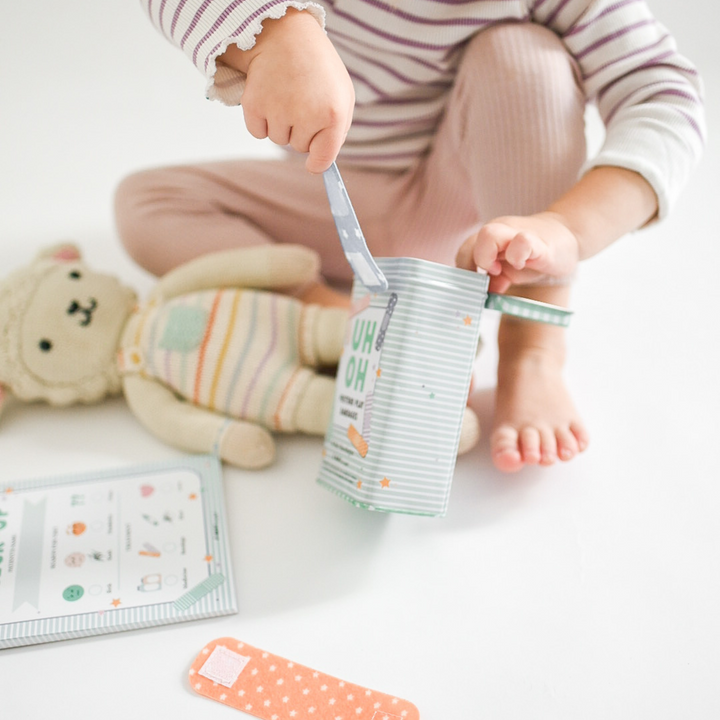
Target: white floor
[[589, 590]]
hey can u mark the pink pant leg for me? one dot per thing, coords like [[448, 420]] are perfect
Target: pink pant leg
[[167, 216], [512, 140]]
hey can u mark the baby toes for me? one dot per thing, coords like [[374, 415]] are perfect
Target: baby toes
[[567, 444], [530, 444], [548, 446], [505, 452], [581, 435]]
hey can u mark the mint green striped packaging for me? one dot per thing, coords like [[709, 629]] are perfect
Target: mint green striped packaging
[[403, 381], [402, 386]]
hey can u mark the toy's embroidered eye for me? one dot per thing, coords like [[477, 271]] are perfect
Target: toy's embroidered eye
[[45, 345], [74, 275]]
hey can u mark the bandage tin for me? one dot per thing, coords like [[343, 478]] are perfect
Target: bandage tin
[[402, 384]]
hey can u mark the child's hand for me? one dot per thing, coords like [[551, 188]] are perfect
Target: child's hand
[[298, 91], [519, 250], [603, 205]]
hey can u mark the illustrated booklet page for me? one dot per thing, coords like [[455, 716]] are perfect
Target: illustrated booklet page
[[113, 550]]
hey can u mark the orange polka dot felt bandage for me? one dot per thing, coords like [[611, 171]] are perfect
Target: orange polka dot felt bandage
[[273, 688]]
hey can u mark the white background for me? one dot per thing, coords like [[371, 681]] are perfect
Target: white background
[[589, 590]]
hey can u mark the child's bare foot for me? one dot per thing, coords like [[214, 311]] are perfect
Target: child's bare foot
[[535, 419]]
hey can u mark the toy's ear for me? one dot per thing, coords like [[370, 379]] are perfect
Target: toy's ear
[[62, 252]]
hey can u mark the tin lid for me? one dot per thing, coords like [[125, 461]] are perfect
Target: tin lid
[[413, 272]]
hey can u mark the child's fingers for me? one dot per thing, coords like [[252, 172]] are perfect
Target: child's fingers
[[465, 260], [279, 133], [324, 148], [522, 248], [321, 144], [499, 284], [300, 138], [256, 125], [491, 241]]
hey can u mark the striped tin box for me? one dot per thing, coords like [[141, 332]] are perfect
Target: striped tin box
[[403, 381]]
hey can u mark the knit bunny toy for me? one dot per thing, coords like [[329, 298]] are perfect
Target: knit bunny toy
[[214, 359]]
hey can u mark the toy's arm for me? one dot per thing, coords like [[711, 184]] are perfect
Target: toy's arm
[[195, 429], [260, 266]]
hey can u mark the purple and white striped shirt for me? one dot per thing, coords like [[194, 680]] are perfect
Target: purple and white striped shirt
[[402, 57]]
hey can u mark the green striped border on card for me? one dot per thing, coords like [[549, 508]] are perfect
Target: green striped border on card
[[199, 591]]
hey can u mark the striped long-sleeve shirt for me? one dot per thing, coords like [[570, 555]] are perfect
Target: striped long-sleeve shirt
[[402, 57]]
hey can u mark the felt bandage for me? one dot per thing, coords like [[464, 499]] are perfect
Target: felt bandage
[[274, 688]]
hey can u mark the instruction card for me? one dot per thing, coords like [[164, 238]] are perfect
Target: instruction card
[[115, 550]]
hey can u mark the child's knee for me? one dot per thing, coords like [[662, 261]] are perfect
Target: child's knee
[[523, 58], [133, 200]]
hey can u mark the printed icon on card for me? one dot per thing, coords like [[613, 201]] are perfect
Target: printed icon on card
[[73, 593], [77, 528], [146, 490], [100, 556], [149, 551], [75, 559], [150, 583]]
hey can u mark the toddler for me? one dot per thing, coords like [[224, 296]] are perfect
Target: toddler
[[459, 130]]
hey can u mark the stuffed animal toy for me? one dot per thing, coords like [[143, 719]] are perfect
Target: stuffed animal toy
[[214, 359]]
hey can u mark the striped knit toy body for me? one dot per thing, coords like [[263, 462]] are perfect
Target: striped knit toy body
[[243, 353], [215, 358]]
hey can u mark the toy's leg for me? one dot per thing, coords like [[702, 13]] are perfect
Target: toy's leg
[[315, 406], [196, 429], [469, 431], [323, 335]]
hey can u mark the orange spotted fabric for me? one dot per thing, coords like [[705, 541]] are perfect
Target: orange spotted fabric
[[273, 688]]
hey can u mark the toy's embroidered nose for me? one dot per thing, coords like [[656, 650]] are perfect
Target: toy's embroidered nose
[[87, 312]]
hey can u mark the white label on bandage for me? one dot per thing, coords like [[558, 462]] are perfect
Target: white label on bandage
[[223, 666]]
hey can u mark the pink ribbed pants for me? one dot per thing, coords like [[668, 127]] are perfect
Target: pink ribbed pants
[[511, 141]]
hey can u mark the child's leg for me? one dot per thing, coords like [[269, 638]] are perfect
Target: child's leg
[[514, 132], [535, 419], [167, 216]]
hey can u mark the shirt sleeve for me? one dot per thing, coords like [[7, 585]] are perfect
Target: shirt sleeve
[[203, 29], [648, 95]]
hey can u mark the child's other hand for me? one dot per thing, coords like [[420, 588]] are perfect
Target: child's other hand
[[518, 250], [298, 91]]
